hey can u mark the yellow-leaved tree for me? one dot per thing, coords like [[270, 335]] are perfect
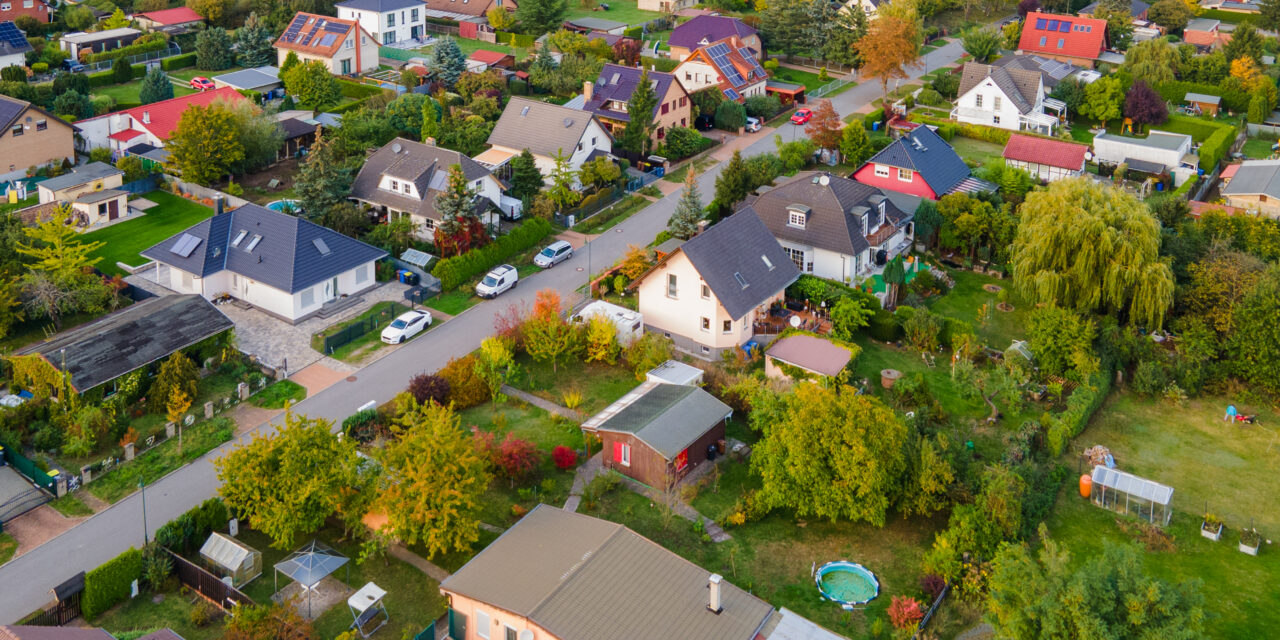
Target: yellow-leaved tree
[[602, 340]]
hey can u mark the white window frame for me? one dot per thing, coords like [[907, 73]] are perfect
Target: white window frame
[[626, 454], [705, 324], [977, 100], [483, 625], [995, 103], [726, 327], [395, 185], [706, 291], [673, 289], [882, 171], [905, 175], [796, 218]]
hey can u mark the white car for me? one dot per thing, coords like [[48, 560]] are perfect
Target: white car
[[753, 125], [554, 254], [498, 281], [405, 326]]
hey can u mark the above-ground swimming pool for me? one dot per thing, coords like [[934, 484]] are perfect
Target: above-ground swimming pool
[[285, 206], [847, 583]]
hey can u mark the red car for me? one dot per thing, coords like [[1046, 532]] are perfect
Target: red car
[[201, 83], [801, 116]]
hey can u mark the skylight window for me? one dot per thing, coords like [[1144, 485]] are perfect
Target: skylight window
[[239, 238], [253, 243], [321, 246], [768, 263], [742, 282]]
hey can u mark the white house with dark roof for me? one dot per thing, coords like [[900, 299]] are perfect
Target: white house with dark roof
[[546, 130], [834, 227], [707, 294], [1005, 97], [404, 177], [388, 21], [284, 265], [1256, 187]]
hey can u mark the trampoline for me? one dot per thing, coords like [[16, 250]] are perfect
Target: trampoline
[[847, 583]]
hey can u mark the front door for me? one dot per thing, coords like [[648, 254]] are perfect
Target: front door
[[113, 209], [346, 66], [333, 288]]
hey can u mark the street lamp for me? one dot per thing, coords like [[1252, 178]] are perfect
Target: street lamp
[[146, 539]]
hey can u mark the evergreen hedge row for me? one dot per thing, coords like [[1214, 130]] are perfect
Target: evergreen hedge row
[[178, 62], [188, 531], [110, 583], [130, 50], [1216, 147], [459, 269], [1081, 405]]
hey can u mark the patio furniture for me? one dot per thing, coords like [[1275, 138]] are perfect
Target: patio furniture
[[365, 605]]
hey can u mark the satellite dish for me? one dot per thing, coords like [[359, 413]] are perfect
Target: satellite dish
[[795, 321], [526, 635], [824, 180], [396, 148]]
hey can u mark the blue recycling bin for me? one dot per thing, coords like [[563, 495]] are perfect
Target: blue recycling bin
[[875, 126]]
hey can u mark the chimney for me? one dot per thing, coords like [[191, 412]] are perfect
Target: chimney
[[587, 90], [146, 117], [430, 142], [713, 586], [217, 204]]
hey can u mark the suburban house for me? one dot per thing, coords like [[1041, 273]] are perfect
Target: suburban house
[[32, 137], [404, 177], [87, 178], [1206, 34], [607, 98], [388, 21], [922, 164], [463, 9], [658, 432], [1006, 98], [561, 575], [40, 10], [1256, 187], [867, 7], [1160, 152], [1137, 9], [343, 46], [284, 265], [79, 44], [1045, 158], [100, 352], [726, 63], [804, 356], [707, 294], [546, 130], [706, 29], [834, 227], [149, 124], [166, 19], [13, 46], [1051, 71], [1079, 41]]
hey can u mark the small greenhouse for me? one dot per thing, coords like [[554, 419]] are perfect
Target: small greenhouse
[[227, 557], [1126, 493]]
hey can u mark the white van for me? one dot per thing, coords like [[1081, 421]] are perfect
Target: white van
[[498, 281]]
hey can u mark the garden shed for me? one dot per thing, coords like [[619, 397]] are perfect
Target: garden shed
[[1124, 492], [227, 557]]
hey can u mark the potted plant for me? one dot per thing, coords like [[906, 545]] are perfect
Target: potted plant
[[1250, 540], [1211, 527]]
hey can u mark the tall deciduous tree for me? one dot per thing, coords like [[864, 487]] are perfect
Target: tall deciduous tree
[[56, 248], [1255, 347], [684, 220], [547, 336], [434, 483], [288, 482], [494, 364], [1218, 285], [890, 47], [542, 16], [602, 340], [213, 50], [311, 85], [155, 86], [1175, 14], [854, 143], [826, 126], [1144, 106], [981, 43], [177, 375], [260, 136], [827, 453], [1102, 99], [206, 143], [447, 61], [1091, 247], [1153, 61], [500, 19], [1041, 597]]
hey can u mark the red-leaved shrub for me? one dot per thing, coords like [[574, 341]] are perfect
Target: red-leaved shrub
[[564, 457]]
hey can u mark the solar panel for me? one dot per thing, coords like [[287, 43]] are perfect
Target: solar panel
[[10, 34], [335, 27], [328, 40], [185, 245], [1040, 22], [307, 38], [731, 94], [1053, 25], [1064, 27], [321, 246], [295, 27]]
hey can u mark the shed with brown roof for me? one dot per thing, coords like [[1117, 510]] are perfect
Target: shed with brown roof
[[810, 353]]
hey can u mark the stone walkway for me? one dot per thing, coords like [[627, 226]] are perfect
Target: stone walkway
[[541, 403], [399, 552], [581, 478], [983, 631]]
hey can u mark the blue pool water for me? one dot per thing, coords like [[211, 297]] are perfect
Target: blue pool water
[[284, 205], [847, 583]]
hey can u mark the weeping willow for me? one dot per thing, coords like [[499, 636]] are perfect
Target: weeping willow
[[1095, 248]]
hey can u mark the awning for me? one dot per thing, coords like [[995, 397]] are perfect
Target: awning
[[494, 157], [310, 564], [126, 135], [778, 86], [1145, 166]]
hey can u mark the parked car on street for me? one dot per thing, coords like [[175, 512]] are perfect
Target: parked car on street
[[801, 116], [498, 281], [406, 325], [201, 83], [554, 254], [753, 125]]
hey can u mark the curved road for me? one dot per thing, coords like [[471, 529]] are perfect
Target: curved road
[[27, 580]]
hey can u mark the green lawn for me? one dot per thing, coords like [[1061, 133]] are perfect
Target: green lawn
[[1258, 148], [807, 78], [454, 302], [126, 94], [173, 611], [8, 546], [279, 394], [983, 152], [964, 300], [600, 384], [626, 11], [469, 47], [701, 164], [71, 506], [124, 240], [1208, 462], [31, 201], [197, 440], [370, 341]]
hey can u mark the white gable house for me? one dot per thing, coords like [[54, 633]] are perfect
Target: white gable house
[[1008, 98]]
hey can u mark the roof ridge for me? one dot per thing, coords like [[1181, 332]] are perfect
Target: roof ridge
[[576, 569]]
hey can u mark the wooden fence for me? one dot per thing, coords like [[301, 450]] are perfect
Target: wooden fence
[[207, 584]]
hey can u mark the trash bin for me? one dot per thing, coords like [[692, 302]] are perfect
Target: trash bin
[[711, 452], [410, 278]]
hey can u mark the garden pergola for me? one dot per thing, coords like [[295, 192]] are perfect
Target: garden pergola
[[309, 565], [1145, 498]]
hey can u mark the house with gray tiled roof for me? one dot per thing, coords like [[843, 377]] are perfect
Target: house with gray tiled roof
[[834, 227], [404, 177], [1005, 97], [608, 96], [284, 265], [546, 130], [922, 164]]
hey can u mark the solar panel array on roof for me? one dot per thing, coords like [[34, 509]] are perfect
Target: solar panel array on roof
[[1040, 23], [10, 34], [1064, 26], [335, 27], [295, 27], [719, 53], [328, 39], [731, 94], [185, 245]]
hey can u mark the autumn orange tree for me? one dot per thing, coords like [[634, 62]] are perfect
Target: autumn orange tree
[[826, 127], [546, 334], [889, 48]]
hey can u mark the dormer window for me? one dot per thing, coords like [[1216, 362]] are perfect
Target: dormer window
[[395, 185], [795, 218]]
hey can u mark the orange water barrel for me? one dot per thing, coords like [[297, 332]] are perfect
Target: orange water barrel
[[1086, 485]]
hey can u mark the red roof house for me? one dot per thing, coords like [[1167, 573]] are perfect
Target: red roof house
[[1079, 41], [343, 46], [494, 58], [38, 9], [150, 124], [1205, 34], [1045, 157], [179, 17]]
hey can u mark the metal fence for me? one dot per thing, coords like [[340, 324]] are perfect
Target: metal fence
[[603, 199], [56, 613], [28, 468], [173, 50], [427, 634], [207, 584], [830, 87], [22, 503], [934, 607], [383, 312]]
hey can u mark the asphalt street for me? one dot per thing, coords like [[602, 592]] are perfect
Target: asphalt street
[[25, 582]]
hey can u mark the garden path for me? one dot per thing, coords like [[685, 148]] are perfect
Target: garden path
[[399, 552], [581, 478], [543, 404]]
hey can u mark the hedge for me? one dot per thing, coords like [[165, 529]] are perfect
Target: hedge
[[1081, 405], [130, 50], [523, 40], [1199, 129], [358, 89], [503, 37], [1186, 187], [1216, 147], [350, 106], [872, 118], [1232, 17], [884, 326], [187, 532], [634, 32], [1176, 92], [102, 78], [178, 62], [975, 131], [459, 269], [110, 583]]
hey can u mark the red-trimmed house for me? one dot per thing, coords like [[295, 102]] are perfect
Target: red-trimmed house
[[343, 46], [727, 64], [38, 9], [1045, 158], [1079, 41], [920, 163], [149, 124], [168, 19]]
